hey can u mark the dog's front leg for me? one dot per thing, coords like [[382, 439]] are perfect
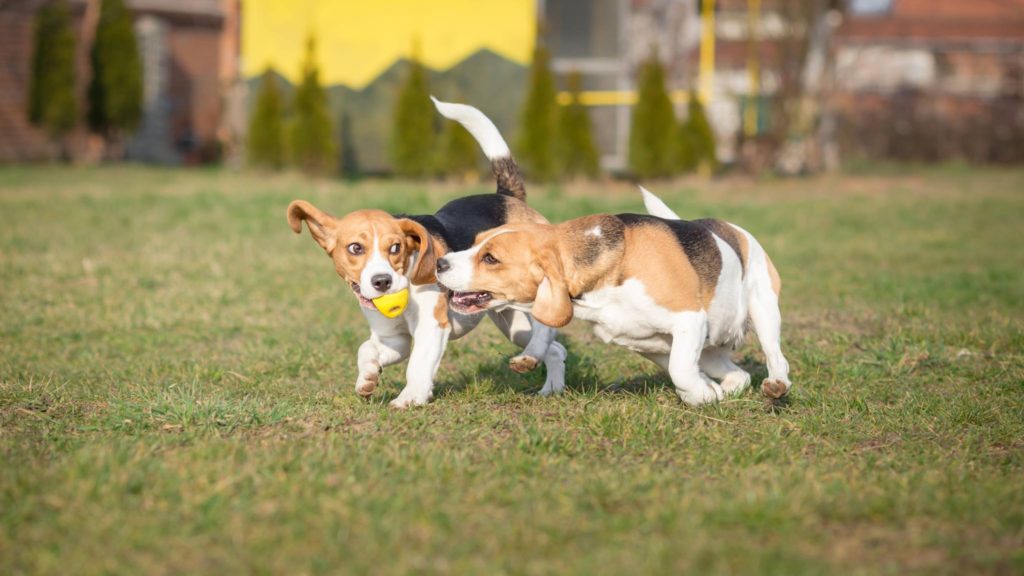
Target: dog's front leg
[[389, 343], [375, 354], [430, 340], [715, 361], [688, 337]]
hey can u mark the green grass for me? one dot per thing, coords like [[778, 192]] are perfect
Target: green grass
[[176, 372]]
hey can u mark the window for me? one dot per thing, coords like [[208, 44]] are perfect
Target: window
[[869, 7], [582, 28]]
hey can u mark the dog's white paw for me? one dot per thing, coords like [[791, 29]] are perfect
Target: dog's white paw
[[367, 381], [707, 392], [523, 364], [406, 400], [735, 382], [719, 392], [551, 389]]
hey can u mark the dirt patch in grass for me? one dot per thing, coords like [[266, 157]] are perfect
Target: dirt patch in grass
[[922, 547]]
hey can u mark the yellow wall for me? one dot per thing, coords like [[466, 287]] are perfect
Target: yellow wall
[[357, 40]]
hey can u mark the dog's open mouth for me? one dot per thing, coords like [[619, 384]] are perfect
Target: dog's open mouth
[[363, 300], [469, 302]]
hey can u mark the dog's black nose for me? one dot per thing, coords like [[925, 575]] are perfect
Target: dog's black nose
[[381, 282], [442, 265]]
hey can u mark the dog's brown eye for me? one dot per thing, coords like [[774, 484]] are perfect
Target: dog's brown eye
[[395, 248], [490, 259], [355, 248]]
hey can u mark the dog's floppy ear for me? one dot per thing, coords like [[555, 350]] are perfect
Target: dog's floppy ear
[[419, 240], [552, 306], [317, 221]]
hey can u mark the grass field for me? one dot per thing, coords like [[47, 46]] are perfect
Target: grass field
[[176, 372]]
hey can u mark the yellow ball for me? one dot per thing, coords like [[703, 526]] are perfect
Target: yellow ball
[[392, 305]]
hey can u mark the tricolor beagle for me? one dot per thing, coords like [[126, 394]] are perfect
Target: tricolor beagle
[[680, 293], [378, 254]]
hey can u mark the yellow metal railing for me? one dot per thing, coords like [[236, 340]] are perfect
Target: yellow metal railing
[[707, 51], [617, 97]]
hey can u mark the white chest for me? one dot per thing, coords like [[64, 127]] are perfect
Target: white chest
[[626, 315]]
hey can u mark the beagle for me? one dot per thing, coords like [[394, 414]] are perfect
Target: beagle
[[678, 292], [380, 256]]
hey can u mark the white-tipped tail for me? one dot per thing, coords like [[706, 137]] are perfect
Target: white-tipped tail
[[479, 125], [655, 207]]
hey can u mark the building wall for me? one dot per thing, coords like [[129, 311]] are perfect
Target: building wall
[[960, 64], [196, 92], [184, 104], [943, 46], [19, 140], [930, 80]]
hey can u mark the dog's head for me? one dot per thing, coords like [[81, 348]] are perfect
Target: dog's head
[[517, 264], [374, 252]]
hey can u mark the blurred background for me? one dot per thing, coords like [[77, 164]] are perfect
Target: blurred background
[[581, 88]]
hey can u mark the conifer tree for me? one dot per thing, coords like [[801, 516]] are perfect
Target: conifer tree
[[349, 157], [685, 147], [538, 126], [652, 138], [51, 99], [701, 137], [412, 136], [458, 152], [115, 92], [312, 138], [266, 142], [579, 154]]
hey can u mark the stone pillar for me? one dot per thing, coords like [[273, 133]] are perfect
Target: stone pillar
[[152, 141]]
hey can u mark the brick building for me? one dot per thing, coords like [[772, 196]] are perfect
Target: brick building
[[946, 47], [932, 79], [886, 68], [912, 79], [189, 50]]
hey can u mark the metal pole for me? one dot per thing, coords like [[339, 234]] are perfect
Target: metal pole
[[707, 51], [750, 115]]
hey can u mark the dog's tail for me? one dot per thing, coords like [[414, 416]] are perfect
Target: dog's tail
[[655, 206], [504, 167]]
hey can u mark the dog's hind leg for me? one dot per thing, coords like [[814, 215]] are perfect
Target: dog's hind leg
[[538, 343], [716, 363], [767, 321]]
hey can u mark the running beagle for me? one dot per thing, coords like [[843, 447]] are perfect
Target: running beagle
[[380, 256], [679, 293]]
